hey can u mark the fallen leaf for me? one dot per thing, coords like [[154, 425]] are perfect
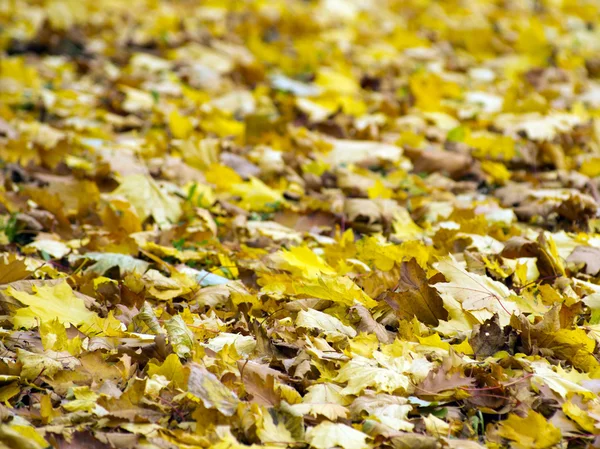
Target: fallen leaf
[[533, 431], [48, 303], [148, 199], [414, 297], [328, 434], [588, 256], [204, 386]]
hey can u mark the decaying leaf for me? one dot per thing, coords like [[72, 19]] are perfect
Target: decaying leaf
[[414, 296], [589, 257], [487, 338]]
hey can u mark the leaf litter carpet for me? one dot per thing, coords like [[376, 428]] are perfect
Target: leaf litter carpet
[[333, 223]]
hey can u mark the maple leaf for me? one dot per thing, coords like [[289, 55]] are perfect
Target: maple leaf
[[414, 296], [328, 434], [487, 338], [330, 325], [48, 303], [533, 431], [171, 369], [204, 385], [148, 199], [475, 292], [302, 261], [106, 261], [361, 373], [338, 289], [271, 432], [390, 410]]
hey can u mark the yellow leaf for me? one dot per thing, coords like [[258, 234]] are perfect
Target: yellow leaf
[[201, 195], [336, 288], [436, 427], [327, 435], [257, 196], [581, 417], [15, 436], [379, 190], [404, 227], [336, 82], [270, 432], [435, 341], [560, 381], [49, 303], [302, 261], [148, 199], [165, 288], [323, 322], [591, 167], [105, 327], [54, 338], [85, 400], [464, 347], [180, 336], [9, 391], [375, 251], [180, 125], [496, 170], [362, 373], [533, 42], [429, 90], [221, 125], [228, 267], [478, 294], [205, 386], [222, 176], [489, 145], [33, 365], [47, 412], [532, 432], [364, 344], [172, 369]]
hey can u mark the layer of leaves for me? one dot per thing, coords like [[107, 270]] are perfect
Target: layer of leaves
[[353, 224]]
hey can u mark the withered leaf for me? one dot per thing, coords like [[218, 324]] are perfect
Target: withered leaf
[[368, 324], [487, 338], [414, 297], [439, 381], [259, 382], [589, 256]]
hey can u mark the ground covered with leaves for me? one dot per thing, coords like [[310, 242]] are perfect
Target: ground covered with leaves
[[333, 223]]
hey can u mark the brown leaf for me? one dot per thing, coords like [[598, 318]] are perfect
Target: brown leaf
[[85, 440], [369, 325], [455, 164], [519, 247], [414, 296], [487, 338], [414, 441], [588, 256], [12, 268], [259, 381], [439, 381]]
